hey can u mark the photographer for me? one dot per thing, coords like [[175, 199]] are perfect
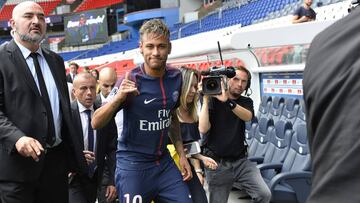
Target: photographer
[[222, 118]]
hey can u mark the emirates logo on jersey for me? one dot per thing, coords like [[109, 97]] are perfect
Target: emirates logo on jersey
[[175, 96]]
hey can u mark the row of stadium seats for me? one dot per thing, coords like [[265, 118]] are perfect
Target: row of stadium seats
[[267, 56], [248, 13], [109, 48], [277, 141]]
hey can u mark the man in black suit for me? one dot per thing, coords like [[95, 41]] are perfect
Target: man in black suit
[[73, 71], [96, 144], [107, 80], [36, 146], [331, 95]]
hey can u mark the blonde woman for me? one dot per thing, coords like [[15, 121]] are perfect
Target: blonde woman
[[188, 118]]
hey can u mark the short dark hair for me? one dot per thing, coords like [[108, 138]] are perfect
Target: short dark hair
[[74, 64]]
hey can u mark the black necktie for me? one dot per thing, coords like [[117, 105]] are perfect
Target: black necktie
[[90, 132], [50, 138], [92, 166]]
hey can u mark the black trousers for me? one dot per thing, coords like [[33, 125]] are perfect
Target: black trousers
[[52, 185], [103, 186], [83, 189]]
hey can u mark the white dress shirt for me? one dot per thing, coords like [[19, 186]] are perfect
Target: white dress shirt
[[84, 124], [50, 86]]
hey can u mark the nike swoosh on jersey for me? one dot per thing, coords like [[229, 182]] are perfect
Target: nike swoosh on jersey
[[149, 101]]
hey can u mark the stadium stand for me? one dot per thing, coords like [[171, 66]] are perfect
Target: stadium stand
[[267, 13], [94, 4], [270, 56], [48, 5]]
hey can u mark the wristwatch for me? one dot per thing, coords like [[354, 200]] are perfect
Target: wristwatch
[[199, 171], [231, 104]]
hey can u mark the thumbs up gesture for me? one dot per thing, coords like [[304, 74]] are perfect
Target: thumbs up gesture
[[127, 86]]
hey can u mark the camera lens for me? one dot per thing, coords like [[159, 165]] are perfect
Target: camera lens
[[212, 84]]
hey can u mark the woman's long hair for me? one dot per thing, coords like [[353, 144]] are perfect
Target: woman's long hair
[[187, 76]]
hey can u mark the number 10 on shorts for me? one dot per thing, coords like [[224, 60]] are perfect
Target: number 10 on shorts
[[135, 199]]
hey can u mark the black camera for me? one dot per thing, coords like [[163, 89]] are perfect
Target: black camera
[[354, 4], [211, 84]]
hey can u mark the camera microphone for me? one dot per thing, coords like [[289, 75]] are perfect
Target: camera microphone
[[230, 72]]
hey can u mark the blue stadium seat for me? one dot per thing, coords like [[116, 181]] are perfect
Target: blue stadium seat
[[264, 107], [276, 108], [300, 117], [290, 110], [278, 146], [250, 128], [261, 138], [293, 183]]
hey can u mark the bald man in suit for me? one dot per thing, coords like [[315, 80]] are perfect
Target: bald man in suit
[[36, 143], [96, 144]]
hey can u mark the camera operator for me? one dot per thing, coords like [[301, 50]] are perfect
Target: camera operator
[[223, 118]]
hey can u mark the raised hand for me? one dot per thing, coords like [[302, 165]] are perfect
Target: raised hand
[[127, 86]]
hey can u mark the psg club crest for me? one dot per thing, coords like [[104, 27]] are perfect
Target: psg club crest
[[175, 96]]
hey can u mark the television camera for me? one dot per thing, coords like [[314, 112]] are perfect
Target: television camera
[[211, 83]]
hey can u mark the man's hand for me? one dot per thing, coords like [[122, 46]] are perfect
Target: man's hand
[[89, 156], [29, 147], [110, 193], [305, 19], [201, 178], [185, 168], [209, 163], [126, 87]]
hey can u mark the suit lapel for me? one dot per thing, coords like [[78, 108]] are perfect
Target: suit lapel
[[55, 72], [78, 125], [98, 132], [20, 63]]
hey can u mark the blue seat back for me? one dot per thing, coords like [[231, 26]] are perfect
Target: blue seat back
[[278, 147], [290, 110], [300, 117], [266, 102], [250, 128], [298, 157], [279, 144], [276, 108], [261, 138]]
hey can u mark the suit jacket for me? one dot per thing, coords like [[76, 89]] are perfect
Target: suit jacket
[[68, 78], [22, 113], [105, 143], [98, 99]]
